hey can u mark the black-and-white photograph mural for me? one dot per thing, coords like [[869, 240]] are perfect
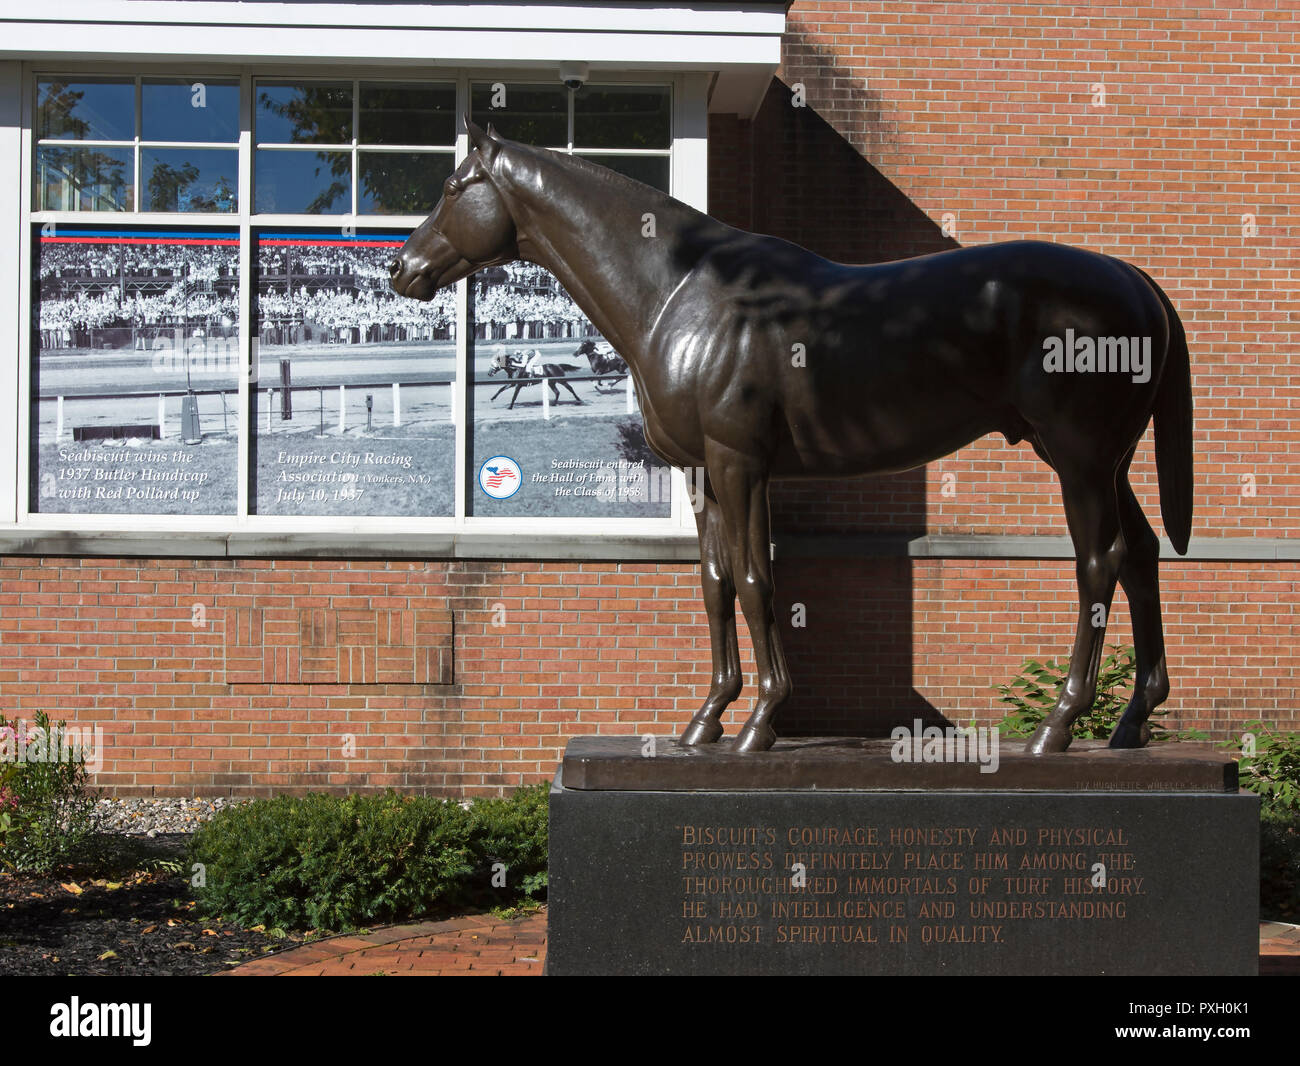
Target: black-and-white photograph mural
[[135, 371], [555, 428], [354, 393]]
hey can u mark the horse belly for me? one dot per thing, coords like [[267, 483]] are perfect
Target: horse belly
[[878, 441]]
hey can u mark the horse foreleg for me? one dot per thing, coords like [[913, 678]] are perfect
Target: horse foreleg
[[516, 395], [720, 606], [1139, 574], [1092, 511], [500, 391], [740, 484]]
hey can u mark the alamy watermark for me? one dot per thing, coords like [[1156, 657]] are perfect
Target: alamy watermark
[[22, 744], [948, 744], [1085, 354]]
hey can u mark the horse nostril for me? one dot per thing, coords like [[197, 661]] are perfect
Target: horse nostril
[[394, 267]]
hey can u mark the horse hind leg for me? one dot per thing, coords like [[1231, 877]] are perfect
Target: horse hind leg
[[1092, 510], [1139, 574], [720, 606]]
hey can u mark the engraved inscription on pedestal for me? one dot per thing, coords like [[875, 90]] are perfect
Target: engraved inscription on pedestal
[[924, 884]]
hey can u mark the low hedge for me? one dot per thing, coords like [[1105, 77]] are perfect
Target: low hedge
[[342, 862]]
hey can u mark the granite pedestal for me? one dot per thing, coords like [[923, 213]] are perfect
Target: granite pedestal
[[831, 857]]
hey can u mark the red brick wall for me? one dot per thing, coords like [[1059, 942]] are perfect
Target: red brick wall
[[155, 652], [913, 110], [144, 649]]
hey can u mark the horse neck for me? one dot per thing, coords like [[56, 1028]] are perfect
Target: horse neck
[[588, 233]]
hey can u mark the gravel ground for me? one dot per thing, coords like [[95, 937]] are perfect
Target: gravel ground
[[129, 911], [150, 817]]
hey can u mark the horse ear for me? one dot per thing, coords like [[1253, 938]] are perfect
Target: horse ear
[[481, 141]]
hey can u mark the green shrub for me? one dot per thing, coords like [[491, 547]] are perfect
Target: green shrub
[[44, 800], [1269, 765], [512, 832], [338, 862], [1032, 694]]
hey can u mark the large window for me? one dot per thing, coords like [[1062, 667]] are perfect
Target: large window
[[554, 425], [336, 148], [252, 362], [354, 412], [135, 371], [137, 144]]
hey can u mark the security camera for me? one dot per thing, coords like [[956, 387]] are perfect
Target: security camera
[[574, 75]]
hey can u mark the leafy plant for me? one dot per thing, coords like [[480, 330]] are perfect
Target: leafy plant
[[44, 793], [510, 838], [1270, 767], [1032, 694], [338, 862]]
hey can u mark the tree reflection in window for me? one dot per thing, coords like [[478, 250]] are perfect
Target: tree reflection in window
[[83, 178], [312, 114], [400, 115], [171, 189]]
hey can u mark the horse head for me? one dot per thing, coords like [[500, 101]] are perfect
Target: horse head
[[507, 362], [471, 228]]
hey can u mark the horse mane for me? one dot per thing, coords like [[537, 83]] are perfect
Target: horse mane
[[551, 156]]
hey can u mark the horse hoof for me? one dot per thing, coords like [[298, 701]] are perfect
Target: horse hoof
[[754, 738], [699, 732], [1127, 736], [1048, 739]]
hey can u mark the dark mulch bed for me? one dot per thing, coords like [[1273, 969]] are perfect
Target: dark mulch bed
[[120, 914]]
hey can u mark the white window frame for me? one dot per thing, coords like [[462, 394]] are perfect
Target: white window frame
[[137, 144], [469, 535]]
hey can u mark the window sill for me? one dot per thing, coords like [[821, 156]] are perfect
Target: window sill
[[643, 547], [666, 547]]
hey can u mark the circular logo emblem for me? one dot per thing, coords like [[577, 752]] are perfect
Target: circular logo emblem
[[500, 477]]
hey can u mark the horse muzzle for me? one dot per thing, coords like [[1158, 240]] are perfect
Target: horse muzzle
[[419, 276]]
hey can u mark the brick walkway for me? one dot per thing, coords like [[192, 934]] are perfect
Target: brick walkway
[[477, 946], [481, 946], [1279, 950]]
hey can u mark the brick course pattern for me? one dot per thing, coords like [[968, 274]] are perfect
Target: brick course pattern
[[542, 652]]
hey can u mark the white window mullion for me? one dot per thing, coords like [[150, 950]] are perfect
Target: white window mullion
[[249, 355], [17, 307], [136, 162], [356, 140], [464, 372]]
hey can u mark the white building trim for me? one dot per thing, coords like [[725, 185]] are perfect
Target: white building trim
[[738, 45]]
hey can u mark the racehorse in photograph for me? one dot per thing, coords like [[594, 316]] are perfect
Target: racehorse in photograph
[[524, 370], [607, 365], [755, 359]]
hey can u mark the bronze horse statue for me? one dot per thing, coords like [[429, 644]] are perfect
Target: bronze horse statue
[[755, 359]]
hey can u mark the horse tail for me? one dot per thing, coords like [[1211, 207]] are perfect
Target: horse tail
[[1173, 422]]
